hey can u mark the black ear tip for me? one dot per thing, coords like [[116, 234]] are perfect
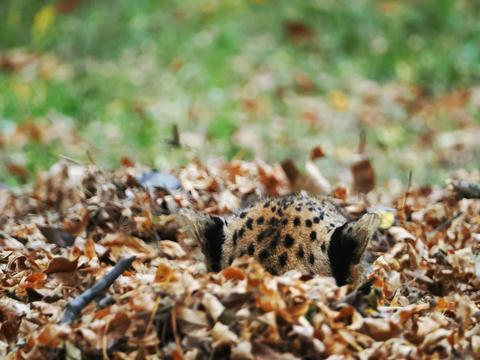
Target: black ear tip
[[348, 244]]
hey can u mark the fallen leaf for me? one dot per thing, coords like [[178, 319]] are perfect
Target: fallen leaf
[[61, 264], [57, 236], [363, 176]]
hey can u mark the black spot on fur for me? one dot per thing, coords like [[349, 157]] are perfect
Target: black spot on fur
[[261, 235], [308, 223], [271, 270], [274, 242], [313, 235], [234, 238], [311, 208], [266, 205], [285, 221], [298, 208], [296, 221], [249, 223], [263, 254], [311, 259], [323, 247], [316, 219], [260, 220], [300, 252], [243, 214], [283, 258], [230, 260], [321, 215], [251, 249], [241, 232], [289, 240], [280, 212], [274, 208], [273, 221]]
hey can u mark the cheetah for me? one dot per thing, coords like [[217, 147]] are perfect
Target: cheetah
[[292, 232]]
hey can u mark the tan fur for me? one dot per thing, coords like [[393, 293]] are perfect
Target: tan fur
[[294, 232], [302, 226]]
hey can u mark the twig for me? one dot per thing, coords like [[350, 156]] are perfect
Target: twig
[[465, 189], [90, 157], [70, 159], [446, 223], [75, 306], [175, 139], [409, 184], [362, 143]]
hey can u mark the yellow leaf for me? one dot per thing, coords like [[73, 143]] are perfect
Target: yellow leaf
[[339, 100], [387, 217], [22, 91], [43, 20]]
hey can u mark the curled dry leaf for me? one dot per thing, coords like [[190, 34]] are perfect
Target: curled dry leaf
[[214, 307], [233, 273], [316, 153], [61, 264], [164, 274], [57, 236], [363, 176], [171, 249], [222, 335], [422, 301]]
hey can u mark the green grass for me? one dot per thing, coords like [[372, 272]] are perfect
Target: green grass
[[135, 69]]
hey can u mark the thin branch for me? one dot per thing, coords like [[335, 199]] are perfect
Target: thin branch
[[175, 139], [407, 193], [446, 223], [76, 305]]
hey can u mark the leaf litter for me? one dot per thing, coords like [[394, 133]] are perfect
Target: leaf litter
[[67, 232]]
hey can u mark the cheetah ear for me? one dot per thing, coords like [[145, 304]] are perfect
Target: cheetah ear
[[208, 230], [348, 243]]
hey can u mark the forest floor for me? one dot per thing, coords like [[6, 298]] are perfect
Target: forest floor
[[76, 222]]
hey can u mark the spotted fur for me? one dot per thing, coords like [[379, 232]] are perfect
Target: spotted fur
[[294, 232]]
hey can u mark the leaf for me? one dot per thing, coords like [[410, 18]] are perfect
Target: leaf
[[61, 264], [313, 181], [43, 20], [233, 273], [298, 31], [57, 236], [338, 100], [214, 307], [363, 176], [386, 215], [317, 153], [164, 274], [171, 249]]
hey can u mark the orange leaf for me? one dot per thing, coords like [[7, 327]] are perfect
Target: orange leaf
[[233, 273], [164, 274], [89, 249]]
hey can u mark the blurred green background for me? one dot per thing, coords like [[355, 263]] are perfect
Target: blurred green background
[[107, 81]]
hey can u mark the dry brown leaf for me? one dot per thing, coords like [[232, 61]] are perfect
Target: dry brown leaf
[[61, 264], [363, 176]]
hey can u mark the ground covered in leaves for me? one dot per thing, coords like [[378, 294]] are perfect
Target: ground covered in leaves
[[66, 232]]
